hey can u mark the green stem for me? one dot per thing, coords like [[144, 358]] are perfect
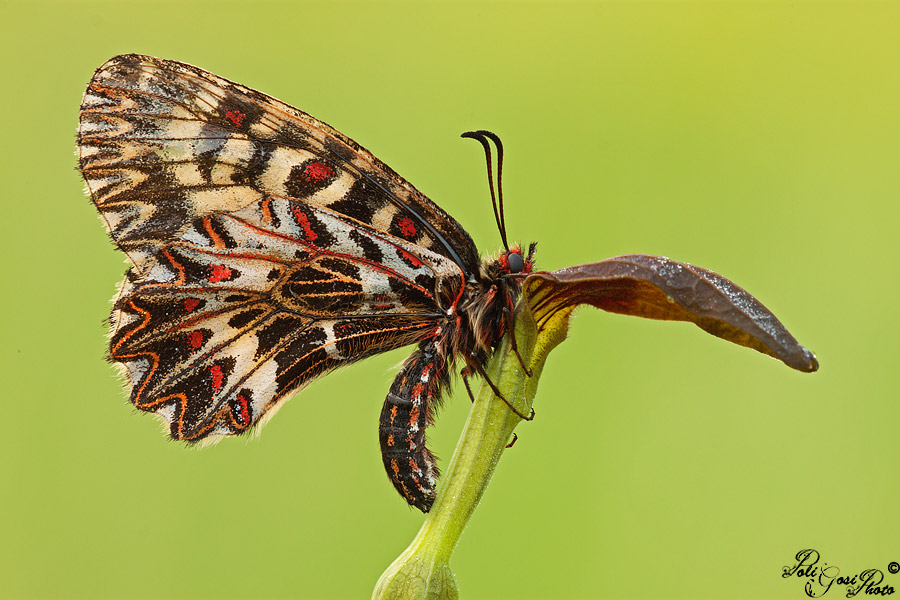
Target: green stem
[[423, 569]]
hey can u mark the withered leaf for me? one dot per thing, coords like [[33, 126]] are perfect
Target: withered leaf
[[655, 287]]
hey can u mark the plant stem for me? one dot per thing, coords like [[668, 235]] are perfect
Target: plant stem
[[423, 569]]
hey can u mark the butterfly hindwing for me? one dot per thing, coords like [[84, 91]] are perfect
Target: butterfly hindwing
[[243, 309]]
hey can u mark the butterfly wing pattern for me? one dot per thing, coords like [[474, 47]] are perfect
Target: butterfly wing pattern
[[267, 248]]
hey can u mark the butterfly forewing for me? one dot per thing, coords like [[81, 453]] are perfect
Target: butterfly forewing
[[162, 143], [267, 248]]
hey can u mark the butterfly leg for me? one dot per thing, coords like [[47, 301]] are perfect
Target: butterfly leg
[[464, 373], [477, 366], [465, 377], [509, 317], [407, 412]]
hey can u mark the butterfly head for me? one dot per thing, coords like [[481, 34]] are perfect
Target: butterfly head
[[508, 268], [516, 262]]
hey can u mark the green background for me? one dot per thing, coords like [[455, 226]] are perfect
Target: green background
[[757, 139]]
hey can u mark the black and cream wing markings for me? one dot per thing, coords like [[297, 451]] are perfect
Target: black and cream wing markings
[[162, 143], [267, 248]]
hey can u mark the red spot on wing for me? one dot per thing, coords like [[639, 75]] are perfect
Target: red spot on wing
[[317, 172], [219, 273], [190, 304], [235, 116], [243, 409], [412, 260], [195, 339], [215, 372], [303, 222], [407, 227], [382, 302], [266, 208]]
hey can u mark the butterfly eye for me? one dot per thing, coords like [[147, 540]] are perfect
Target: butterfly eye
[[515, 261]]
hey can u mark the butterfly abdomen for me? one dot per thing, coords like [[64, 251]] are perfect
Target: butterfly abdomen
[[407, 412]]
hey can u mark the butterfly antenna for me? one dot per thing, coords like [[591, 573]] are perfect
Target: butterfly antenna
[[480, 136], [499, 144]]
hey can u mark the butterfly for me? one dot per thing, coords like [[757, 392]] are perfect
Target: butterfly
[[267, 248]]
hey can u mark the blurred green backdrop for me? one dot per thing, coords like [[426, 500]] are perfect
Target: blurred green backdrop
[[758, 139]]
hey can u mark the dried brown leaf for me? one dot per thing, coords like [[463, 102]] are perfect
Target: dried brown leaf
[[656, 287]]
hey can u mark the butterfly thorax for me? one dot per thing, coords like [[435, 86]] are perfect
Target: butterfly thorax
[[480, 319]]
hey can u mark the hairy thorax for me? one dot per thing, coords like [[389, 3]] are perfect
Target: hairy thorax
[[482, 315]]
